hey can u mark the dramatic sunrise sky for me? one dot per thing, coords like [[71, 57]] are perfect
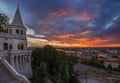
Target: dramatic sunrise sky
[[68, 23]]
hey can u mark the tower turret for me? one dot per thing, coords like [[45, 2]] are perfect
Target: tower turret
[[17, 20]]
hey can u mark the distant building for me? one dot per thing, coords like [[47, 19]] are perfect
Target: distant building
[[112, 60]]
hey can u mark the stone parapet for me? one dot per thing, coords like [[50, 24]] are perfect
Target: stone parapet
[[11, 36]]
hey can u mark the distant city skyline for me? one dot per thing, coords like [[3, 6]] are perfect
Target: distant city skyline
[[68, 23]]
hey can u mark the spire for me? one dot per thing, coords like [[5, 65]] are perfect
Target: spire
[[17, 20]]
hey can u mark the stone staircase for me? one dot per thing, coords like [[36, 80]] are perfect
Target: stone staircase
[[9, 75], [6, 76]]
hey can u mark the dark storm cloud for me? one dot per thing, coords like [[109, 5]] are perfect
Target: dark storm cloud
[[102, 8], [107, 23], [83, 18]]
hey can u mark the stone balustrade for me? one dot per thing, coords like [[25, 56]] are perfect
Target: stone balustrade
[[20, 60], [12, 71], [6, 35]]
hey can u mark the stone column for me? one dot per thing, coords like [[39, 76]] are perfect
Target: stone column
[[25, 64], [30, 68], [17, 63], [20, 63], [12, 61]]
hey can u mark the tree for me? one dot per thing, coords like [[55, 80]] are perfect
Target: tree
[[3, 22], [84, 62], [47, 62]]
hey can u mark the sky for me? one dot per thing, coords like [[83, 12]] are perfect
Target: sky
[[68, 23]]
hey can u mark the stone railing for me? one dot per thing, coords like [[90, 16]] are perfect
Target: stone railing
[[15, 51], [2, 34], [7, 35], [18, 76], [20, 51]]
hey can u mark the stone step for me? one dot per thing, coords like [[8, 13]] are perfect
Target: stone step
[[6, 76]]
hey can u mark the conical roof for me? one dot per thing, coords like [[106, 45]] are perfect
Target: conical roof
[[17, 20]]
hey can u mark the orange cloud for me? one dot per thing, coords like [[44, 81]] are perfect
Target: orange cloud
[[62, 36], [68, 40], [84, 16], [85, 32], [77, 42], [61, 12]]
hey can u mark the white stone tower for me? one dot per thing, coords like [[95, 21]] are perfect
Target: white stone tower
[[13, 46], [18, 53]]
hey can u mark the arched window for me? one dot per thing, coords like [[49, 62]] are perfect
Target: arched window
[[10, 47], [21, 32], [17, 31], [18, 47], [5, 46], [22, 46]]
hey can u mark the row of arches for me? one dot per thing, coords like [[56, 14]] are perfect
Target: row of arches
[[21, 62]]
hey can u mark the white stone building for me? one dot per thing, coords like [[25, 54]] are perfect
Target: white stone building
[[13, 46], [112, 60]]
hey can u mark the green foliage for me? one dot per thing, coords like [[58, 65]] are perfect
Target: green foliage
[[74, 59], [84, 62], [95, 62], [56, 65], [3, 23]]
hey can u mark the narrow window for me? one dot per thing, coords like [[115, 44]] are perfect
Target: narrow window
[[5, 46], [21, 32], [17, 31], [22, 46], [18, 47]]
